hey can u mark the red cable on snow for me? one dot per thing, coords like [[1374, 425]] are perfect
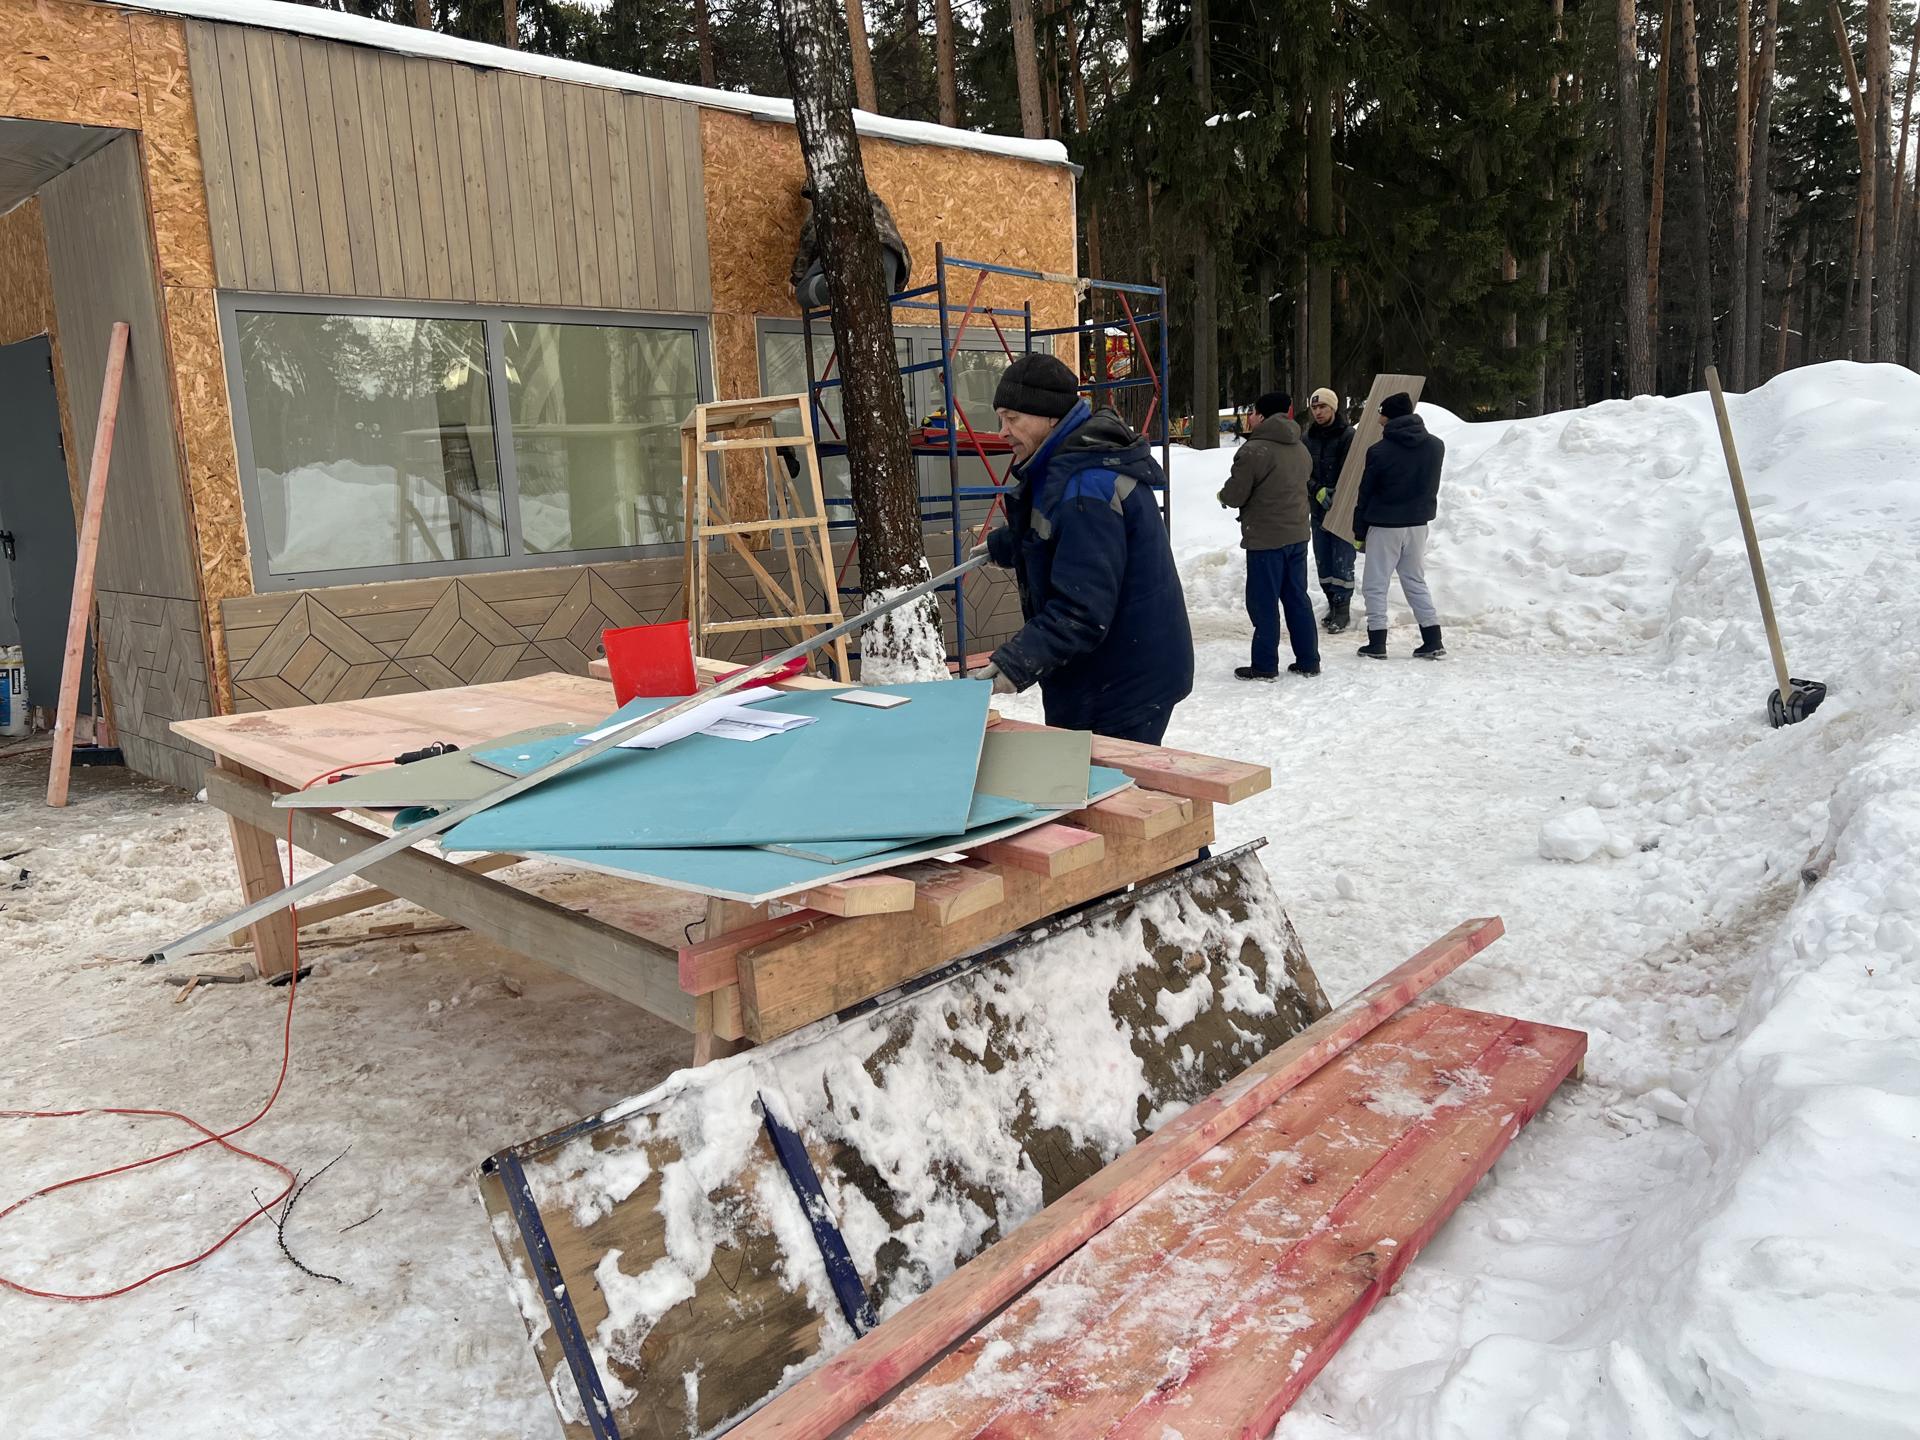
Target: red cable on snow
[[222, 1138]]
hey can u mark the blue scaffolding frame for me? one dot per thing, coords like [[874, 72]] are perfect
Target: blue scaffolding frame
[[1103, 307]]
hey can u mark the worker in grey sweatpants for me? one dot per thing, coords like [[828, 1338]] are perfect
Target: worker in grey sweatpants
[[1399, 494]]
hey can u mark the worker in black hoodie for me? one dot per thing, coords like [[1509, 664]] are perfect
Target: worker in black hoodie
[[1328, 439], [1399, 494]]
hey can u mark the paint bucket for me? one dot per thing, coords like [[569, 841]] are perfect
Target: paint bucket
[[651, 660], [13, 691]]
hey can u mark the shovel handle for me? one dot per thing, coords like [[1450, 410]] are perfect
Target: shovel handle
[[1746, 529]]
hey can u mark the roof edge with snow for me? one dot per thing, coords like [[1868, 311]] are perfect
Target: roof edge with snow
[[404, 39]]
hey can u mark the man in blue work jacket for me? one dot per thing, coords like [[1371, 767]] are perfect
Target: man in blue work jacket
[[1106, 635]]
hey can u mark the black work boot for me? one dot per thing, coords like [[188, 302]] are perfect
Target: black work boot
[[1376, 646], [1430, 646], [1247, 672], [1338, 616]]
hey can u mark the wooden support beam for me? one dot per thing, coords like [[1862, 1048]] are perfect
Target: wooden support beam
[[256, 853], [850, 1384], [816, 969], [1175, 772], [710, 963], [1050, 850], [617, 961], [1141, 814], [322, 911], [880, 894], [944, 894]]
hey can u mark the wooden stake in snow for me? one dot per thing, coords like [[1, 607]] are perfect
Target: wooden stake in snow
[[70, 665], [886, 491]]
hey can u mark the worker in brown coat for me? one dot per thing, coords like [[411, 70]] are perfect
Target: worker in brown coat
[[1268, 486], [809, 276]]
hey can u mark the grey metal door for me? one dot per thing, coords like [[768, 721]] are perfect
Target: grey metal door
[[37, 546]]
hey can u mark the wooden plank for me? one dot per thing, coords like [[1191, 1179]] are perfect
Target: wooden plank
[[275, 182], [851, 1383], [685, 294], [944, 894], [370, 89], [370, 896], [1050, 850], [454, 195], [308, 218], [617, 961], [1174, 772], [572, 102], [249, 193], [695, 221], [350, 146], [216, 156], [426, 175], [1248, 1372], [599, 248], [640, 173], [880, 894], [660, 203], [568, 195], [1366, 430], [793, 980], [414, 281], [533, 115], [623, 285], [256, 854], [513, 134], [494, 148], [337, 218], [708, 964], [1141, 813], [470, 127]]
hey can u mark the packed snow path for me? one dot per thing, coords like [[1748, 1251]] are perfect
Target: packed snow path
[[1712, 1235]]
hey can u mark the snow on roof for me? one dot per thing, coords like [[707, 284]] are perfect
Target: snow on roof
[[404, 39]]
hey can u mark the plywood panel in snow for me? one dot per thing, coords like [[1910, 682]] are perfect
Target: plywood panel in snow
[[1366, 431]]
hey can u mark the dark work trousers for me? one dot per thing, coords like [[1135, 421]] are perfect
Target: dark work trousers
[[1276, 583], [1333, 558], [1147, 727]]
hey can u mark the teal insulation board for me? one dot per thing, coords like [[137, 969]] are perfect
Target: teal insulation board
[[854, 774], [755, 876]]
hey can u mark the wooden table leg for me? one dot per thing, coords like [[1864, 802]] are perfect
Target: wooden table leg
[[257, 855], [722, 916]]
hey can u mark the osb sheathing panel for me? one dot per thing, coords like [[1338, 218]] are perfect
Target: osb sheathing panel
[[67, 62], [170, 147], [982, 207], [213, 471]]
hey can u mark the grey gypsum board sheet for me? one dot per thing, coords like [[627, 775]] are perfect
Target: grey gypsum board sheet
[[443, 780], [1047, 768]]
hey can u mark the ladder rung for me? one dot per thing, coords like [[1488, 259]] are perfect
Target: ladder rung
[[758, 442], [749, 527], [771, 622]]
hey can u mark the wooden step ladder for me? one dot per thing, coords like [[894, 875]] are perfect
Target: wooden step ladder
[[727, 427]]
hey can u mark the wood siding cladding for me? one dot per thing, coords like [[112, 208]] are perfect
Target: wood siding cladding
[[336, 170]]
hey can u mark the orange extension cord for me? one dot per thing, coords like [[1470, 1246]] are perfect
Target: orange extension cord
[[222, 1138]]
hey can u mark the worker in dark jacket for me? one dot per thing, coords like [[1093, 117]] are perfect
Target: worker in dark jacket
[[809, 275], [1106, 635], [1268, 486], [1328, 439], [1399, 494]]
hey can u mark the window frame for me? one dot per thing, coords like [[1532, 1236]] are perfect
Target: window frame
[[492, 319]]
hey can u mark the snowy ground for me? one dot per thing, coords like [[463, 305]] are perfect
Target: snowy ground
[[1711, 1236]]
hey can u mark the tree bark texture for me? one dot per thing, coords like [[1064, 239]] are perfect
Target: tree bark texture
[[1701, 240], [866, 95], [1205, 433], [423, 14], [886, 505], [1743, 109], [944, 62], [1633, 204], [703, 40], [1026, 70], [510, 24], [1760, 203], [1861, 289], [1657, 210], [1320, 225], [1886, 325]]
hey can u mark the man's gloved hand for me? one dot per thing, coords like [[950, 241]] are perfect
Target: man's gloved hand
[[1323, 497], [1001, 684]]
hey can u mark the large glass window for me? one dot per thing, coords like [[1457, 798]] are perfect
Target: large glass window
[[455, 440], [783, 371], [372, 440], [596, 414]]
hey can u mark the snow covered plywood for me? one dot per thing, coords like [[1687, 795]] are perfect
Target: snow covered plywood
[[685, 1283]]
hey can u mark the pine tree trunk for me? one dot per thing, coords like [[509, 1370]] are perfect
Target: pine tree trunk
[[944, 62], [1860, 287], [1886, 301], [1026, 69], [1264, 279], [1702, 237], [703, 40], [509, 24], [866, 96], [1760, 203], [1657, 212], [814, 43], [1743, 109], [1320, 225], [1205, 433], [1633, 221], [423, 14], [1136, 40], [1082, 115]]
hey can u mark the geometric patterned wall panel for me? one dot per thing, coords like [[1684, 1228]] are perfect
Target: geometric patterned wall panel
[[157, 673], [305, 647]]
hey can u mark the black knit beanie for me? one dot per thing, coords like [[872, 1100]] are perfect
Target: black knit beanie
[[1037, 385], [1397, 404]]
